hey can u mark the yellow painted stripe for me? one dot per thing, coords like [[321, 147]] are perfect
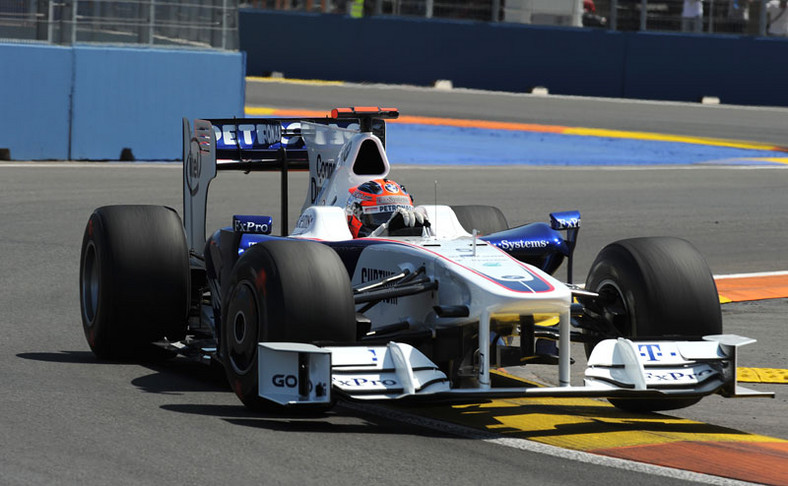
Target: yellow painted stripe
[[777, 160], [661, 137], [260, 79], [762, 375]]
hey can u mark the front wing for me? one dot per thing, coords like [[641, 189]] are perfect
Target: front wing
[[295, 374]]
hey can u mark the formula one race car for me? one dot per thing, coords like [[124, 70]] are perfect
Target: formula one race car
[[421, 310]]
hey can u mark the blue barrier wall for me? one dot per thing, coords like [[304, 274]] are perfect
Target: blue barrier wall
[[514, 57], [35, 89], [92, 102]]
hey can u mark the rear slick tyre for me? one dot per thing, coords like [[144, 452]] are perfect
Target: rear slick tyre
[[134, 280], [655, 288]]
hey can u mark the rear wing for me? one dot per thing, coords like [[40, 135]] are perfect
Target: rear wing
[[255, 145]]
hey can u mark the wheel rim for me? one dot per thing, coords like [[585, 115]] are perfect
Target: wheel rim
[[242, 335], [613, 307], [90, 284]]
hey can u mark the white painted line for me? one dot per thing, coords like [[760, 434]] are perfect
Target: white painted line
[[538, 447], [752, 275]]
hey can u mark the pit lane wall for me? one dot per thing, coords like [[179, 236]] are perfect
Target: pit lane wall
[[89, 103], [514, 57]]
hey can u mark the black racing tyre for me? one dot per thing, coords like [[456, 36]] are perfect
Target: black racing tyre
[[133, 280], [486, 219], [655, 288], [282, 291]]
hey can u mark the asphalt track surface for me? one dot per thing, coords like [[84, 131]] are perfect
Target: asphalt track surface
[[68, 419]]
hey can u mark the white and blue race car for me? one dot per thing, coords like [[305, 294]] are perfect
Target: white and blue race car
[[300, 320]]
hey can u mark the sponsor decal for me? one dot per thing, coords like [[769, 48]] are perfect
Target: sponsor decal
[[289, 381], [520, 244], [565, 220], [391, 187], [252, 224], [653, 352], [193, 166], [399, 200], [373, 274], [363, 382], [387, 208], [676, 376], [248, 135], [325, 168], [567, 223]]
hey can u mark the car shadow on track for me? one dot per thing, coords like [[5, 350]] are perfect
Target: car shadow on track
[[77, 357], [176, 375], [571, 419], [338, 420], [180, 376]]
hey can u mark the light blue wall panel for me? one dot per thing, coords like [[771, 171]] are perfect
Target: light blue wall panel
[[35, 84], [135, 98]]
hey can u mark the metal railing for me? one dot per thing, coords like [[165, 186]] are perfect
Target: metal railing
[[718, 16], [162, 23]]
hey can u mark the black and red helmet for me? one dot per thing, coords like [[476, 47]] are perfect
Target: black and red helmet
[[372, 203]]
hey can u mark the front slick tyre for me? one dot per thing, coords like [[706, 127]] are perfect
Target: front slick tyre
[[133, 280], [282, 291], [655, 288]]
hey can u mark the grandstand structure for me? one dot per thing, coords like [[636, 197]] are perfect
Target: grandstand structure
[[719, 16], [211, 24]]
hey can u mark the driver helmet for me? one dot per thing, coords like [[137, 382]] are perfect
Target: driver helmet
[[373, 203]]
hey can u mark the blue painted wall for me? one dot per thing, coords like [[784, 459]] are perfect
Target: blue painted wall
[[513, 57], [35, 91], [89, 103]]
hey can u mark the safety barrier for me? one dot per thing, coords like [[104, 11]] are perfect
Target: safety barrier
[[511, 57], [91, 103]]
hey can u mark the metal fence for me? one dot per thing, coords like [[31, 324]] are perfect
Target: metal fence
[[173, 23], [754, 17]]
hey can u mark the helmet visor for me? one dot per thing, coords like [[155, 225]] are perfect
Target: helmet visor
[[374, 216]]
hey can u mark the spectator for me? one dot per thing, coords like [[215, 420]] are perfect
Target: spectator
[[590, 17], [738, 14], [692, 16], [777, 17]]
